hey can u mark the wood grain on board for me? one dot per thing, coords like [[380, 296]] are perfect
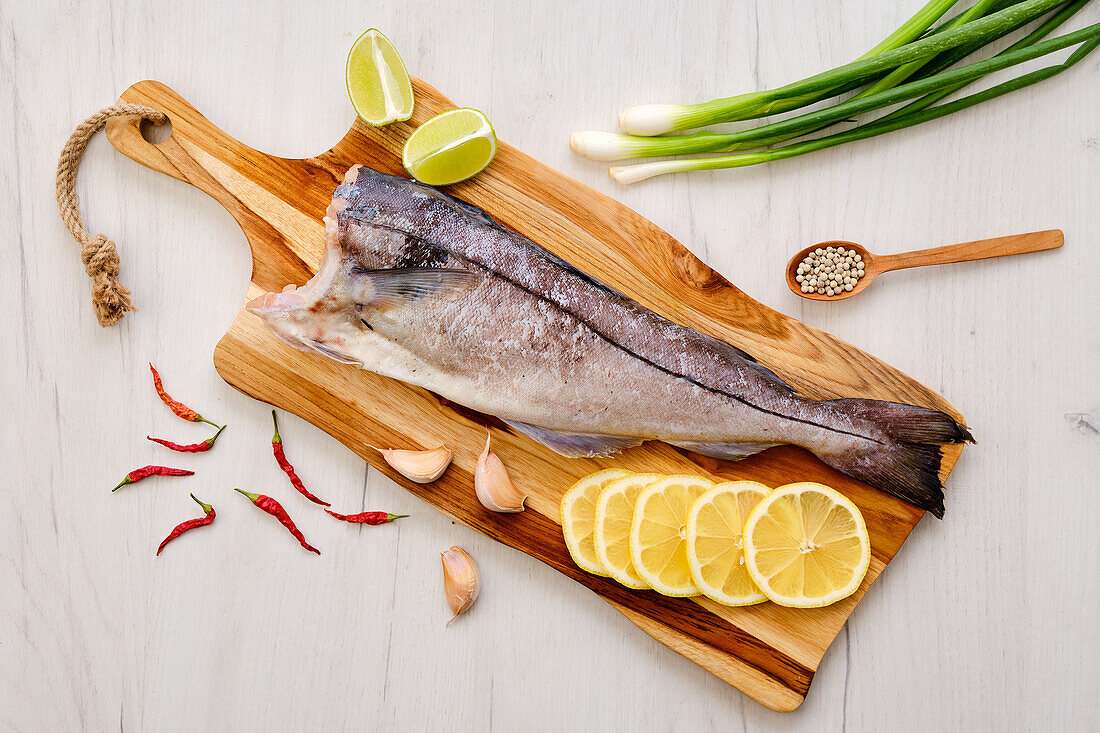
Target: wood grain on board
[[768, 652]]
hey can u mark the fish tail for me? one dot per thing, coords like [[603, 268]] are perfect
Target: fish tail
[[907, 464], [903, 422]]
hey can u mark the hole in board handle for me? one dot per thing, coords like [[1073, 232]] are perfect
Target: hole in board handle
[[155, 134]]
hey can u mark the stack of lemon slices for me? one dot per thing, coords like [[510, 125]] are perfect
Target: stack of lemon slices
[[738, 543]]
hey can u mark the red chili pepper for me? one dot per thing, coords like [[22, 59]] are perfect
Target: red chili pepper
[[139, 473], [180, 409], [280, 458], [276, 510], [367, 517], [192, 448], [190, 523]]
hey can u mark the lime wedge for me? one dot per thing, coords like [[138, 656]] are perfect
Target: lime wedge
[[450, 147], [378, 83]]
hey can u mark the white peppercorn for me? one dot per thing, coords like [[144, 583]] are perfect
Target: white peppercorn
[[830, 270]]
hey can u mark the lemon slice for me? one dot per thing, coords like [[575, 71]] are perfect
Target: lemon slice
[[378, 83], [716, 523], [450, 147], [806, 546], [578, 518], [658, 534], [611, 535]]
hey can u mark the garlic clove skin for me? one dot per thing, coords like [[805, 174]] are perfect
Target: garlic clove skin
[[494, 488], [421, 466], [461, 580]]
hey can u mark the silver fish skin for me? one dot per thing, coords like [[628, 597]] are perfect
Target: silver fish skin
[[427, 289]]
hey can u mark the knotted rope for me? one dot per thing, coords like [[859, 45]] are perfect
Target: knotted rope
[[99, 255]]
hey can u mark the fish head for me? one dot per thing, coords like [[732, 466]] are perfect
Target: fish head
[[317, 325], [319, 316], [371, 263]]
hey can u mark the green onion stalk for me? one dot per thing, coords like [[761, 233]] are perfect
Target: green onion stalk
[[1089, 38], [711, 141], [611, 146], [951, 58], [908, 31], [597, 145], [942, 62], [649, 120], [900, 74], [893, 41]]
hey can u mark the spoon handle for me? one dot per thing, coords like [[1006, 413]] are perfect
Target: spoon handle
[[1014, 244]]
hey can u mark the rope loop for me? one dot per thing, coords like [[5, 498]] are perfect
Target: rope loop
[[100, 256]]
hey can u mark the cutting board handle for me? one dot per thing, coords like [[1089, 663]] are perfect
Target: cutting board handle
[[196, 152], [174, 156], [245, 181]]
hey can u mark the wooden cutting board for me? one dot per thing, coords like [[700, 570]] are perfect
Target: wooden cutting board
[[769, 653]]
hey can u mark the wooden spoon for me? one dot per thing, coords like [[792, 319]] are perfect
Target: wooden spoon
[[874, 265]]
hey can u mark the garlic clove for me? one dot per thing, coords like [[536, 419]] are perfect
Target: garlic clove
[[494, 488], [421, 466], [461, 580]]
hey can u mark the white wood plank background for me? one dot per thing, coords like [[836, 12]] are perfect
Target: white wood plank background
[[986, 621]]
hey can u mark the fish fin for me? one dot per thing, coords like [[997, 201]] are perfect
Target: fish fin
[[726, 451], [330, 352], [903, 422], [576, 445], [909, 471], [908, 464], [384, 289]]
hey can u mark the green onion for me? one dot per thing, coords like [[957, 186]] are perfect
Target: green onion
[[701, 142], [900, 74], [606, 146], [1089, 37], [949, 59], [910, 30], [659, 119]]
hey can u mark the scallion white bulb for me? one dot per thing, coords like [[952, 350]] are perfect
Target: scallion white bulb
[[650, 119]]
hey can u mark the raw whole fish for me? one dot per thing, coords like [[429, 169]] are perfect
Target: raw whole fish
[[422, 287]]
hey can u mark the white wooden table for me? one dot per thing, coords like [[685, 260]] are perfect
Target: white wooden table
[[985, 621]]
